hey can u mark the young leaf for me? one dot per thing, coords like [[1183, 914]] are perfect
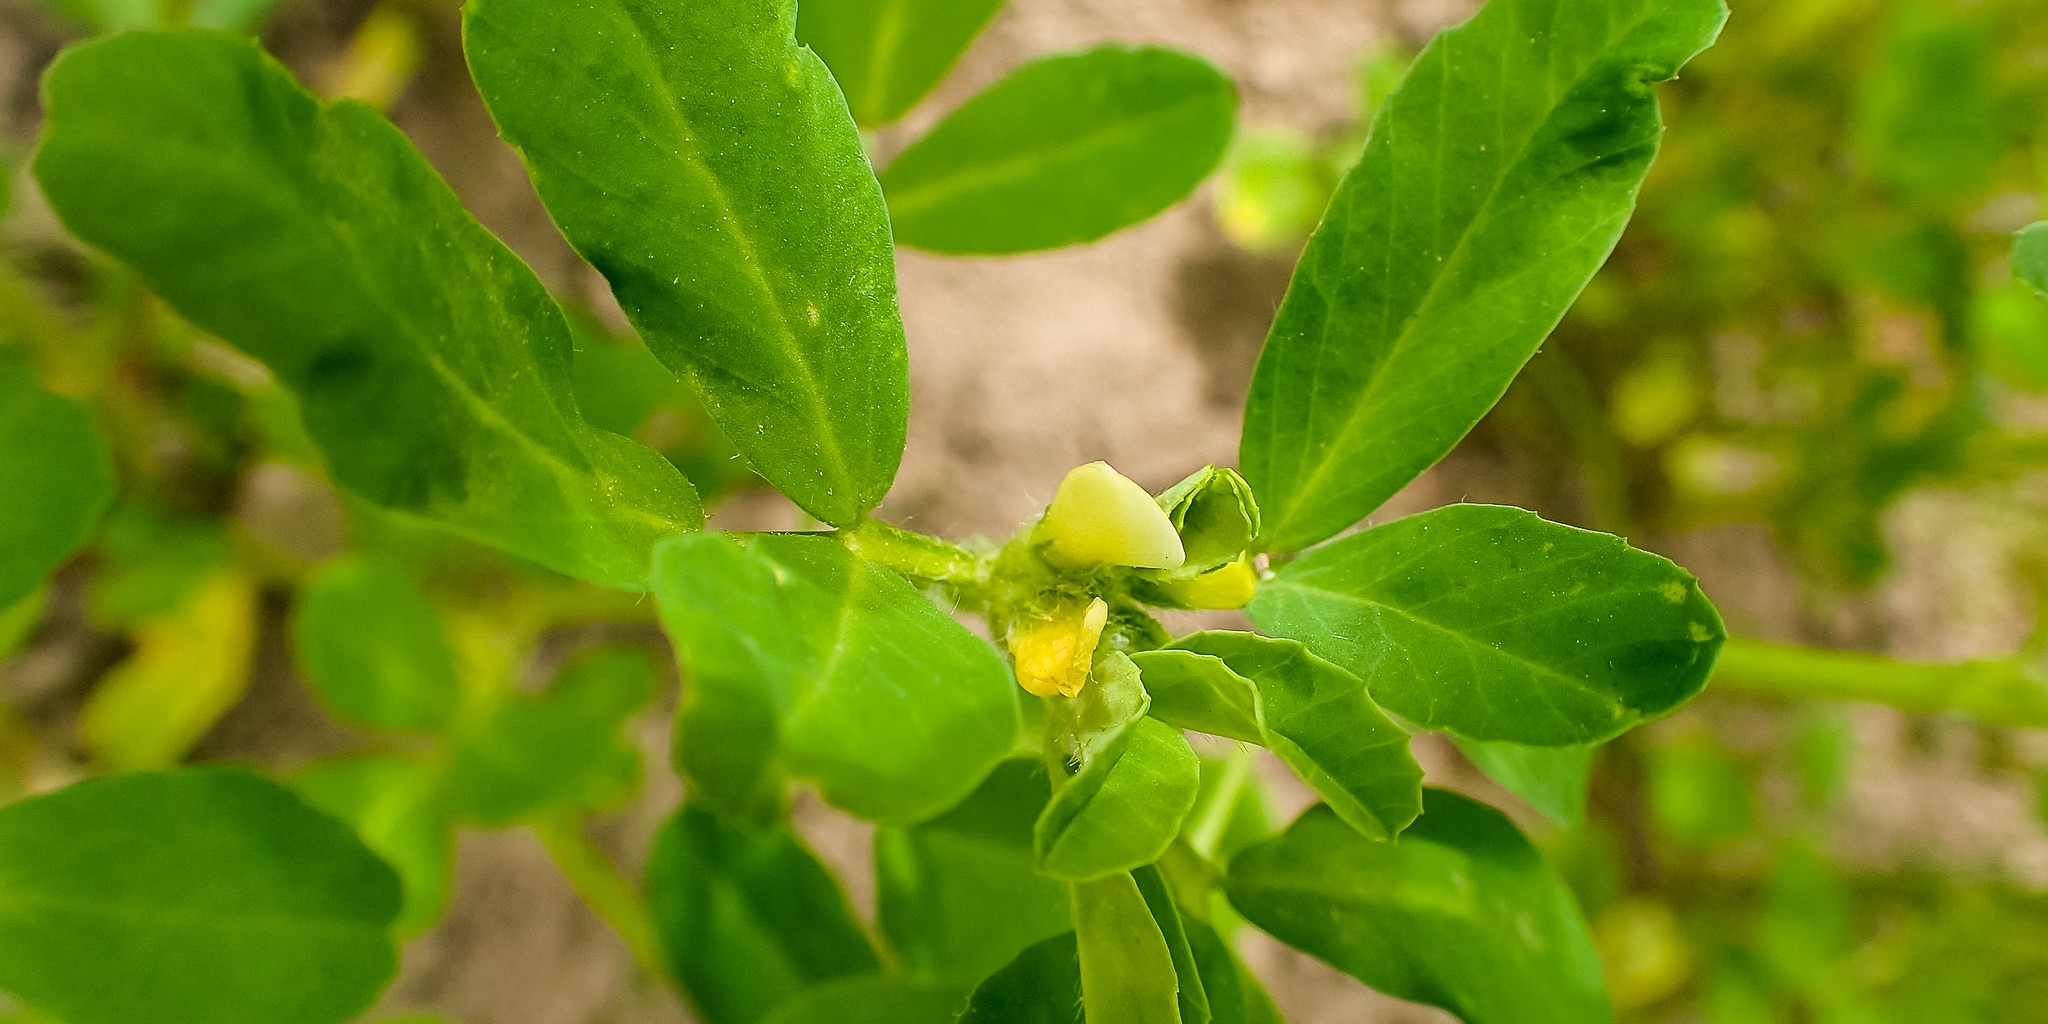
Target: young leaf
[[1066, 149], [57, 477], [1216, 515], [1124, 808], [2030, 256], [957, 896], [1315, 716], [887, 54], [190, 897], [396, 806], [1495, 182], [1459, 913], [705, 163], [1490, 623], [431, 366], [1127, 971], [190, 667], [872, 999], [1551, 779], [1041, 986], [802, 660], [748, 916], [562, 747], [373, 649]]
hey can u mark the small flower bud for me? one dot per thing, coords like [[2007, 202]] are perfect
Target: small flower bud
[[1101, 517], [1232, 586]]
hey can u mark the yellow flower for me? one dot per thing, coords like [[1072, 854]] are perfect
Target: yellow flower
[[1231, 586], [1101, 517], [1053, 652]]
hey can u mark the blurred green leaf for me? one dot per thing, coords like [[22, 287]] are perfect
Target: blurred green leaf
[[1459, 913], [1698, 794], [19, 620], [801, 660], [396, 806], [191, 897], [705, 163], [1042, 985], [2030, 256], [1931, 121], [1497, 179], [748, 916], [118, 15], [149, 560], [1065, 150], [1123, 809], [1490, 623], [958, 896], [877, 999], [1273, 187], [429, 363], [1315, 716], [189, 668], [373, 648], [56, 480], [1553, 780], [564, 747], [1127, 972], [1234, 993], [888, 54]]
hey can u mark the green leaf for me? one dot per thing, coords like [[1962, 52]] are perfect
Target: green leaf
[[116, 15], [189, 668], [1930, 120], [803, 661], [430, 365], [1123, 809], [2030, 256], [1216, 515], [1127, 971], [1459, 913], [888, 54], [564, 747], [705, 163], [1192, 998], [876, 999], [1553, 780], [748, 916], [1201, 693], [1041, 986], [1066, 149], [396, 807], [373, 648], [1235, 995], [1490, 623], [1496, 180], [191, 897], [957, 896], [58, 478], [19, 620], [1315, 716]]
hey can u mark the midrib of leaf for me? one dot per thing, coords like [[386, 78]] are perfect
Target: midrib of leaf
[[187, 918], [419, 338], [1464, 639], [888, 39], [1024, 165], [1455, 258], [729, 221]]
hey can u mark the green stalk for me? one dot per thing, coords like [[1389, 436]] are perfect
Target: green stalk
[[916, 555], [608, 892], [1205, 834], [1992, 692]]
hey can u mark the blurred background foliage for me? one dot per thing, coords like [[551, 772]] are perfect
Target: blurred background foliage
[[1812, 317]]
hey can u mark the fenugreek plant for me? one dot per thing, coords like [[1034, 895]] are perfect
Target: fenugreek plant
[[1049, 846]]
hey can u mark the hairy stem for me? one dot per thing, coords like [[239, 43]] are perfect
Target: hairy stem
[[1992, 692], [916, 555], [608, 892]]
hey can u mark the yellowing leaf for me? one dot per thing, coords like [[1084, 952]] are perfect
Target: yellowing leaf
[[190, 666]]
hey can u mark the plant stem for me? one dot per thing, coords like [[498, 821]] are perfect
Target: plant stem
[[1992, 692], [608, 892], [1206, 833], [916, 555]]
